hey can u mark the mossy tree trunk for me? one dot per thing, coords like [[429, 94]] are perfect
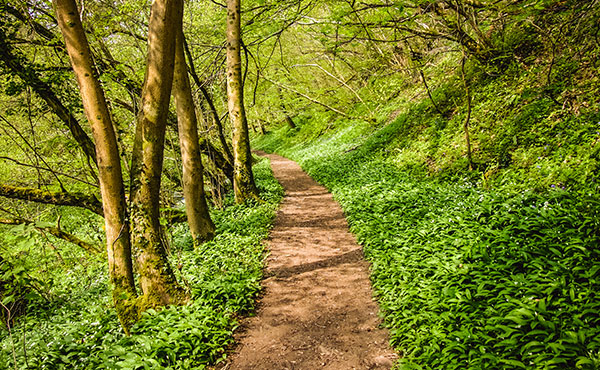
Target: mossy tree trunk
[[201, 225], [157, 280], [108, 159], [243, 180]]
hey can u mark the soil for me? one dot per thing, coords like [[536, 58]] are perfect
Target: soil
[[317, 311]]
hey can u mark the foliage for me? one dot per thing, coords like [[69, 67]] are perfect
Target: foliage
[[78, 329], [17, 291], [492, 268], [469, 278], [503, 258]]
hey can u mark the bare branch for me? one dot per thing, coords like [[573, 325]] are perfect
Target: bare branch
[[19, 65], [209, 100], [46, 169], [219, 4], [308, 98], [34, 151], [334, 77]]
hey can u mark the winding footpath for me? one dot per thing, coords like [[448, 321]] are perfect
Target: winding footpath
[[317, 310]]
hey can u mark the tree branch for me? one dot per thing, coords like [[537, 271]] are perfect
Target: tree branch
[[308, 98], [37, 27], [48, 197], [55, 231], [20, 66], [208, 98], [19, 163]]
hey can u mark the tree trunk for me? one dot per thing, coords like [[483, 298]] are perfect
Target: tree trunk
[[109, 166], [218, 123], [290, 122], [262, 128], [288, 119], [157, 280], [466, 123], [201, 226], [243, 180]]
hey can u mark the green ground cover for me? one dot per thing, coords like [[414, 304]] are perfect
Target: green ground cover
[[471, 270], [75, 327]]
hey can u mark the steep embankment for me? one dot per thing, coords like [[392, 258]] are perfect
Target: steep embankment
[[498, 267]]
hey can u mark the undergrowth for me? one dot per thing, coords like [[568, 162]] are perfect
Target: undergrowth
[[495, 268], [76, 327]]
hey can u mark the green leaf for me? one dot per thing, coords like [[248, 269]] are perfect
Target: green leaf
[[581, 361], [513, 363]]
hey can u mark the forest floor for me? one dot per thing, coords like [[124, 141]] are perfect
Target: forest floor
[[317, 309]]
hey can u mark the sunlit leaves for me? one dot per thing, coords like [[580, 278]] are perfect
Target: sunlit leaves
[[467, 278]]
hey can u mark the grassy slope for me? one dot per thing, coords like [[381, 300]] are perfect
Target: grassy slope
[[494, 268], [78, 329]]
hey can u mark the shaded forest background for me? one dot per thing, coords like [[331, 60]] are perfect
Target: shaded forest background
[[461, 138]]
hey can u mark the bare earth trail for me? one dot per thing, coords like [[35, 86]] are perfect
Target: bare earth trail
[[317, 311]]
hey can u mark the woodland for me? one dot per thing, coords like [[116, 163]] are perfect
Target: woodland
[[461, 138]]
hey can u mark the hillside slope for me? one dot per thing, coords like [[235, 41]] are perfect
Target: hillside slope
[[494, 267]]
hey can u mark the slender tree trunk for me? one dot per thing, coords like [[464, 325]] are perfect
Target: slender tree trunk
[[219, 123], [468, 96], [109, 166], [429, 92], [288, 119], [201, 226], [261, 127], [157, 280], [290, 122], [217, 120], [211, 104], [243, 180]]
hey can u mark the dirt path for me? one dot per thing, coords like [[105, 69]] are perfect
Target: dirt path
[[317, 310]]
